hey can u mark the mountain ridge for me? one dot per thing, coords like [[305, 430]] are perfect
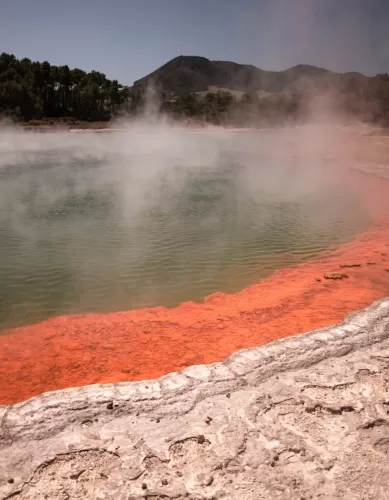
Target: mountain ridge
[[196, 74]]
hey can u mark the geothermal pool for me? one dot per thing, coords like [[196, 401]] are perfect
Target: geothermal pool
[[129, 220]]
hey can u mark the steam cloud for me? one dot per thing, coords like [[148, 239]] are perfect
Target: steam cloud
[[156, 180]]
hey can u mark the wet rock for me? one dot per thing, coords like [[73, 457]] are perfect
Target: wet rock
[[335, 276]]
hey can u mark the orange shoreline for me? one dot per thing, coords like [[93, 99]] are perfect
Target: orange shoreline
[[69, 351]]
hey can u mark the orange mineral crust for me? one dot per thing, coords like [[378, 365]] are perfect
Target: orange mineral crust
[[147, 343]]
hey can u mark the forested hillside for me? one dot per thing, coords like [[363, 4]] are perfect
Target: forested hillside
[[245, 94], [33, 90], [189, 88]]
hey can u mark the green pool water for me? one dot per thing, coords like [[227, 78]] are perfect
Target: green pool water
[[115, 222]]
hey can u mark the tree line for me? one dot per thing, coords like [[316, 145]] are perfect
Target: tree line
[[31, 90], [362, 98]]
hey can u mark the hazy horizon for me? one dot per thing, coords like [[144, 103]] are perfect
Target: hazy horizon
[[127, 40]]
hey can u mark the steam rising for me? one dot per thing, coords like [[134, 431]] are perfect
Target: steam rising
[[158, 214]]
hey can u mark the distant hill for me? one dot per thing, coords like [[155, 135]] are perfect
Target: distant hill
[[189, 89], [198, 74]]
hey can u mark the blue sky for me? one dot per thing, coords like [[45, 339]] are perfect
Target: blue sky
[[126, 39]]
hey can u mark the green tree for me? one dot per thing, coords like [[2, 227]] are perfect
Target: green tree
[[31, 90]]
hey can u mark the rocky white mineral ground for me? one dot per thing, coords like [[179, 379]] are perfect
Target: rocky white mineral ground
[[302, 418]]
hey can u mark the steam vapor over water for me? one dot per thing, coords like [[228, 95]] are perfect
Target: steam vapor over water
[[157, 215]]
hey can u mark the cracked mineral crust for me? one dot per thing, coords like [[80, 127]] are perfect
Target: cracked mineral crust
[[304, 417]]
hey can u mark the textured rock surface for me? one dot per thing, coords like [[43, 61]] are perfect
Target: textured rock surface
[[305, 417]]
